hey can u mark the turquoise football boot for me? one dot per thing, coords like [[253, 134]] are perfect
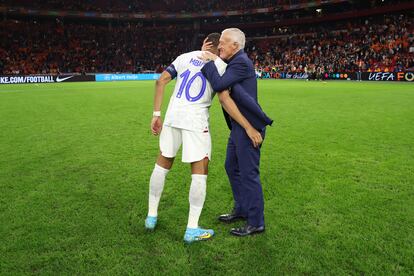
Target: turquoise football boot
[[150, 223], [197, 234]]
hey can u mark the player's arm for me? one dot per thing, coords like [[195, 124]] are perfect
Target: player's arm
[[156, 122], [231, 108]]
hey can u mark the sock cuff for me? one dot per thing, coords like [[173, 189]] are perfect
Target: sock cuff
[[160, 169], [199, 176]]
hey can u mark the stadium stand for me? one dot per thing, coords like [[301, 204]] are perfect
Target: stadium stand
[[150, 5], [298, 40], [80, 48], [369, 45]]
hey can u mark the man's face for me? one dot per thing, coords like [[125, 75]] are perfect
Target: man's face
[[227, 47]]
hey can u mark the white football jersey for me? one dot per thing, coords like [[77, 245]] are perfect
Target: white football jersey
[[193, 94]]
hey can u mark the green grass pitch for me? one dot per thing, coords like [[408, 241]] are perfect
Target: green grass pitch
[[337, 170]]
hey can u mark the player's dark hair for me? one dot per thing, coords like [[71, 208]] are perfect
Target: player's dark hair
[[214, 38]]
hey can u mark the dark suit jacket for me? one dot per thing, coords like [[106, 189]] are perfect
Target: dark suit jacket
[[240, 77]]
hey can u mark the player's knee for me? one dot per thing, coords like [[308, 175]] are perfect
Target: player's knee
[[165, 162], [200, 167]]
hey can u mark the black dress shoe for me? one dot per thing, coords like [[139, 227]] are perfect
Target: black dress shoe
[[230, 218], [247, 230]]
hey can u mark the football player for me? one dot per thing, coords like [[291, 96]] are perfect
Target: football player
[[186, 123]]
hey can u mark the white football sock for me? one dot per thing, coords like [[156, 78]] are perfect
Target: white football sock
[[157, 181], [196, 197]]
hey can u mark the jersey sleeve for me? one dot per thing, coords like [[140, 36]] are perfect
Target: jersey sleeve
[[174, 67], [221, 66]]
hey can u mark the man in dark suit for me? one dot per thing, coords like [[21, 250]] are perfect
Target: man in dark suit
[[243, 157]]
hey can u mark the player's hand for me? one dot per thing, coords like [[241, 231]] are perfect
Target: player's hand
[[207, 56], [254, 136], [206, 45], [156, 125]]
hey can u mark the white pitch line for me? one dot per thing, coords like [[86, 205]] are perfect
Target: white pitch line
[[11, 91], [61, 88]]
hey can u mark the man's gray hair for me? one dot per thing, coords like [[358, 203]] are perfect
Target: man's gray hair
[[237, 36]]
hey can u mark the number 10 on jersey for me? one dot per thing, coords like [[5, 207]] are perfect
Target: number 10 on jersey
[[186, 85]]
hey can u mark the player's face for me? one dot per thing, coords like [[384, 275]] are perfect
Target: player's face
[[227, 47]]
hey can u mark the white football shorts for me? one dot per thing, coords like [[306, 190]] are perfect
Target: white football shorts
[[196, 145]]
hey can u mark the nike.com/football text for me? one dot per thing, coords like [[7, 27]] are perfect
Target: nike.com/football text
[[28, 79]]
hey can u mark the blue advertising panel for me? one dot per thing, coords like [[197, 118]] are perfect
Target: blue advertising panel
[[126, 77]]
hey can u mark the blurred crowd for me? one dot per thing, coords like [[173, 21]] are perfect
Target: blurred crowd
[[149, 5], [384, 43], [368, 45], [45, 47]]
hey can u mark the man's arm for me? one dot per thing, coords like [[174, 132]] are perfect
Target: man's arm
[[231, 108], [246, 103], [235, 73], [156, 122]]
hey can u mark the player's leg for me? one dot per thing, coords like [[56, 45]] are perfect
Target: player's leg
[[170, 141], [157, 180], [197, 150], [198, 187]]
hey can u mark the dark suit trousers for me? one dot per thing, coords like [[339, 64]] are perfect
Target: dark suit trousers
[[242, 167]]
